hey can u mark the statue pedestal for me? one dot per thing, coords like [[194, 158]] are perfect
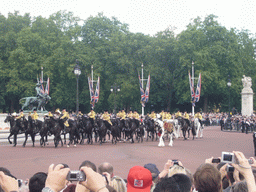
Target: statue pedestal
[[247, 101]]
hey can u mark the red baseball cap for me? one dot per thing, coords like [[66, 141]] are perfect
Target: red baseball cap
[[139, 179]]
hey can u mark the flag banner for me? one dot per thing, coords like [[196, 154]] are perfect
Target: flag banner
[[91, 89], [142, 94], [41, 87], [147, 90], [47, 88], [191, 88], [198, 89], [97, 91]]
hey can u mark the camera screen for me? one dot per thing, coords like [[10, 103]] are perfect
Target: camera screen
[[227, 157], [72, 176]]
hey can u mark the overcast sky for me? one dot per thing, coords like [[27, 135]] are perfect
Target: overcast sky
[[145, 16]]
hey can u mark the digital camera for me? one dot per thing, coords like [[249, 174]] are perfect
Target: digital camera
[[76, 176], [175, 162], [227, 157]]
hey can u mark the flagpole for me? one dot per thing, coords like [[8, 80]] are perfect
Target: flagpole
[[142, 108], [193, 106]]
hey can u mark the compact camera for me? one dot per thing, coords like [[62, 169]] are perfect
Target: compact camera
[[175, 162], [76, 176], [227, 157], [216, 160]]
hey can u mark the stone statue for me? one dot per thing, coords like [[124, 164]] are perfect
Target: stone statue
[[247, 96], [37, 102], [247, 81]]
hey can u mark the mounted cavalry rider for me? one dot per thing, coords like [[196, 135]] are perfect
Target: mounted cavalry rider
[[65, 115], [199, 116], [178, 114], [130, 114], [106, 117], [186, 117], [136, 116], [91, 116], [152, 115], [21, 114]]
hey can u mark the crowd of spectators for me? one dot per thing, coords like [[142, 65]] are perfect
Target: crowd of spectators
[[175, 177]]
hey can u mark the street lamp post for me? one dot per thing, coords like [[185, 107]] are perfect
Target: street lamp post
[[115, 88], [229, 85], [229, 117], [77, 72]]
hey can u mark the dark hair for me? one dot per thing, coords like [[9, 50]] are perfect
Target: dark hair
[[37, 182], [207, 178], [87, 163], [177, 183]]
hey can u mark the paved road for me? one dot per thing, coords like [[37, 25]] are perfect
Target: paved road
[[24, 162]]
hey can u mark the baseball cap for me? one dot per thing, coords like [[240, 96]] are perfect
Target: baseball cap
[[153, 169], [139, 179]]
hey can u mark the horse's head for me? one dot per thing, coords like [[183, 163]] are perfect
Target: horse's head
[[8, 118]]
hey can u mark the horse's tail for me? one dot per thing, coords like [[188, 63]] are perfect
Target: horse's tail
[[20, 101]]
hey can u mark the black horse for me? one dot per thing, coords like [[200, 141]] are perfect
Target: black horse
[[16, 127], [185, 127], [130, 130], [101, 129], [140, 133], [115, 131], [150, 127], [47, 129]]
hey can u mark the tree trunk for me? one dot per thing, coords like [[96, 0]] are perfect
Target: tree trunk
[[205, 104]]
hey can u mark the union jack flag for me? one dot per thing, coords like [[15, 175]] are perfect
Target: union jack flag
[[138, 183], [47, 88], [142, 94], [191, 88], [97, 91], [198, 89], [147, 90], [91, 89], [41, 87]]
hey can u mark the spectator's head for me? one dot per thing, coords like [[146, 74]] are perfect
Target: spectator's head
[[207, 178], [178, 182], [139, 180], [176, 169], [153, 169], [37, 182], [239, 187], [88, 164], [106, 167]]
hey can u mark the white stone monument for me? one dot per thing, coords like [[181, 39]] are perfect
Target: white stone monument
[[247, 96]]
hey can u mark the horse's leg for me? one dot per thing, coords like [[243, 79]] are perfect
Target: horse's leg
[[14, 139], [197, 129], [26, 137], [201, 130], [11, 134], [184, 134], [33, 139], [161, 141], [171, 141]]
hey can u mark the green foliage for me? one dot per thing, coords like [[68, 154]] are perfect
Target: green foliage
[[117, 55]]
